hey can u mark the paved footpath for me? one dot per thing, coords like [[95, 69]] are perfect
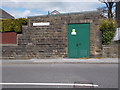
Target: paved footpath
[[63, 61]]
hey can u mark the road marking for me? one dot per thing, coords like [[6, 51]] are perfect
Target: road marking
[[52, 84]]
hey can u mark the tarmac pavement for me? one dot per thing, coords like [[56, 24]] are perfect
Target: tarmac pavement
[[102, 72], [103, 75]]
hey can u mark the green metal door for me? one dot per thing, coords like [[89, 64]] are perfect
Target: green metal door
[[78, 40]]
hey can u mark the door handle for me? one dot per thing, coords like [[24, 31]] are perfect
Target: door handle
[[76, 44]]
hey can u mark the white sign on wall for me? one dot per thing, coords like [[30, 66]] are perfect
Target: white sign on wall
[[41, 24], [117, 35], [73, 32]]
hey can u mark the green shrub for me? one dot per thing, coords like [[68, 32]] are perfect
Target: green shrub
[[23, 21], [17, 26], [10, 25], [7, 25], [0, 25], [108, 30]]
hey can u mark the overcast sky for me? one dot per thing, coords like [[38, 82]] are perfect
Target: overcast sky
[[24, 8]]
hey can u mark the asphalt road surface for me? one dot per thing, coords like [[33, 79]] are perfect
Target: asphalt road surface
[[104, 75]]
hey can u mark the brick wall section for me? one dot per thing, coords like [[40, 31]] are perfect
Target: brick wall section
[[51, 41], [111, 51], [8, 38]]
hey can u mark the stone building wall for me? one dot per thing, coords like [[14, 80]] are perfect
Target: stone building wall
[[111, 51], [51, 41]]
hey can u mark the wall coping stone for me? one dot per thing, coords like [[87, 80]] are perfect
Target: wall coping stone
[[86, 12]]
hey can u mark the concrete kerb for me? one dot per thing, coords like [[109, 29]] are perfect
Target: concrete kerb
[[64, 61]]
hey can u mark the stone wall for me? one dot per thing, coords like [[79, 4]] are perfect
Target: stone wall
[[51, 41], [111, 51]]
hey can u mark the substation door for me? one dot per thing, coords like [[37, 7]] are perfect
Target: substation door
[[78, 40]]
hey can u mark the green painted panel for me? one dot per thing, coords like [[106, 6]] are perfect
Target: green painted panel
[[72, 39], [78, 40]]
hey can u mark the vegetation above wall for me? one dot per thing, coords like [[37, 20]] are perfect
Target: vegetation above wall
[[107, 26], [12, 25]]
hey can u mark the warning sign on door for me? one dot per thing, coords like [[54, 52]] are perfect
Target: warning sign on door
[[73, 32]]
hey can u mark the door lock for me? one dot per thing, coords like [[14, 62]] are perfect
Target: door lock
[[78, 44]]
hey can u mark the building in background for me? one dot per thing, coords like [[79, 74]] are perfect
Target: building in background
[[7, 37], [118, 13], [55, 12], [5, 15], [116, 38]]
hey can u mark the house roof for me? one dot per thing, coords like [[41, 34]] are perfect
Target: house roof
[[54, 12], [5, 15]]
